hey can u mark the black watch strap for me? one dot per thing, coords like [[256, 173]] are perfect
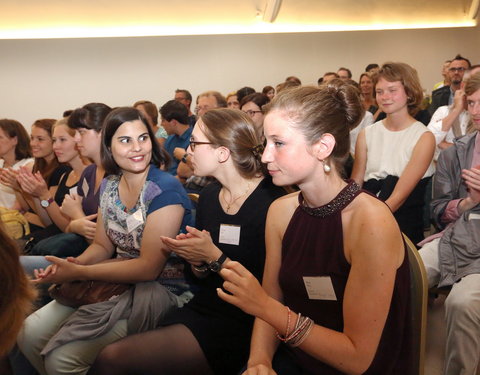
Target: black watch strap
[[216, 265]]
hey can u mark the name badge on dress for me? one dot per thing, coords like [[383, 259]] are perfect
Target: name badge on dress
[[73, 191], [85, 188], [134, 220], [319, 287], [229, 234]]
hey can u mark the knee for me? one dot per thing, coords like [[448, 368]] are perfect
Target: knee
[[59, 364], [108, 361], [29, 334], [459, 305]]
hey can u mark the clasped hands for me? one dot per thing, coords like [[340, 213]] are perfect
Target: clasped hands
[[8, 177], [471, 178], [61, 270], [32, 183], [195, 246]]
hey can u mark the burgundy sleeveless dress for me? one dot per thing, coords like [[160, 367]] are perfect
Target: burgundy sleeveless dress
[[313, 246]]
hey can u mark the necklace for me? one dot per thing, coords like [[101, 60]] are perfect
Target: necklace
[[346, 195], [230, 204]]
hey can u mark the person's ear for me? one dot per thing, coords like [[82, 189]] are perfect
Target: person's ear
[[223, 154], [323, 148]]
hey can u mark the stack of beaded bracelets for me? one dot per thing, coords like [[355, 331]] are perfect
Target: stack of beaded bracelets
[[302, 328]]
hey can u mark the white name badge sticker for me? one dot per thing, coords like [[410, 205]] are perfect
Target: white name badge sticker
[[73, 191], [319, 287], [229, 234], [473, 216], [85, 188], [134, 220]]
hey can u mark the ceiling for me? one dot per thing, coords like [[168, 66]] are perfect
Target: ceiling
[[102, 18]]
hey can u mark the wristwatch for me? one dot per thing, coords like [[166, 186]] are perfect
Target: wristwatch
[[184, 158], [46, 202], [216, 265], [201, 268]]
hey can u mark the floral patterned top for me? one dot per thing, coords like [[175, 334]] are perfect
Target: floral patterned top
[[125, 227]]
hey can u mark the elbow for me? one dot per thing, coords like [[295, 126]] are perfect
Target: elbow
[[360, 366]]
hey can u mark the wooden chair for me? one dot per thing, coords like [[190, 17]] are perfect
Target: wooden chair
[[193, 197], [419, 293]]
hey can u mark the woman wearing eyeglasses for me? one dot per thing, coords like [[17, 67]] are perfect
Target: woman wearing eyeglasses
[[209, 336], [252, 105]]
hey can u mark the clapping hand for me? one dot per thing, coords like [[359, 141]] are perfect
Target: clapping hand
[[72, 206], [8, 177], [195, 246], [33, 183], [472, 180]]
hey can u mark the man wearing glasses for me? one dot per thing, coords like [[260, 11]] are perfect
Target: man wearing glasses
[[183, 96], [444, 95]]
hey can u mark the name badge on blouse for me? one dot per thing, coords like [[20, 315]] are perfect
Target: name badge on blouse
[[134, 220], [73, 191], [85, 188], [473, 217], [229, 234], [319, 287]]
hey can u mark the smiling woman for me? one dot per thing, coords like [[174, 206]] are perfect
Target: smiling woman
[[139, 203], [393, 157]]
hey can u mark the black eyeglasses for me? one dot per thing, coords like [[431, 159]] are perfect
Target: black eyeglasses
[[194, 144], [251, 113]]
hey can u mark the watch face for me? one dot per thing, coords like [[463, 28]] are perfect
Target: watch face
[[44, 203], [215, 266]]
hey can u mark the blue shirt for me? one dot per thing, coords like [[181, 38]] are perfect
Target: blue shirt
[[174, 141]]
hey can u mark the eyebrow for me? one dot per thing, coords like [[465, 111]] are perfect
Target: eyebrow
[[127, 136]]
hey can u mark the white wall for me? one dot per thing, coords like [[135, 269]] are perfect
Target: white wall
[[42, 78]]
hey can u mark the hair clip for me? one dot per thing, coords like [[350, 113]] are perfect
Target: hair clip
[[257, 151]]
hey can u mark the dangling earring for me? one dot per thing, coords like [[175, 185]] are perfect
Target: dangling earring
[[326, 167]]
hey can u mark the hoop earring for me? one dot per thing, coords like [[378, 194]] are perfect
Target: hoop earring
[[326, 167]]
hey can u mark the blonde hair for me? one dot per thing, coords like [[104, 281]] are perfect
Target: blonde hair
[[472, 84]]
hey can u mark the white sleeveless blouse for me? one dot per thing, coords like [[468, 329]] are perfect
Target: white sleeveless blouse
[[388, 152]]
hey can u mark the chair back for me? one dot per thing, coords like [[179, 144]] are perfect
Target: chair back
[[419, 297]]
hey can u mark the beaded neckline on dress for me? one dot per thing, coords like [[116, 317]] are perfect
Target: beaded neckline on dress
[[338, 203]]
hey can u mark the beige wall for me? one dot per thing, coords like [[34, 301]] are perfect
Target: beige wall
[[42, 78]]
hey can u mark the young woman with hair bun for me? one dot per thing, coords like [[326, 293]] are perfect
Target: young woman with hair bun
[[208, 335], [335, 295]]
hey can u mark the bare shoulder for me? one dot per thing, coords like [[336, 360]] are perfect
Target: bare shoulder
[[281, 211], [369, 227]]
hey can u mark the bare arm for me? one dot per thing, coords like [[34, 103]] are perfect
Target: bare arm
[[422, 156], [360, 162], [165, 221], [375, 250], [35, 185]]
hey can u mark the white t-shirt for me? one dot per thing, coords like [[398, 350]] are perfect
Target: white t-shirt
[[435, 126], [388, 152], [7, 194]]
